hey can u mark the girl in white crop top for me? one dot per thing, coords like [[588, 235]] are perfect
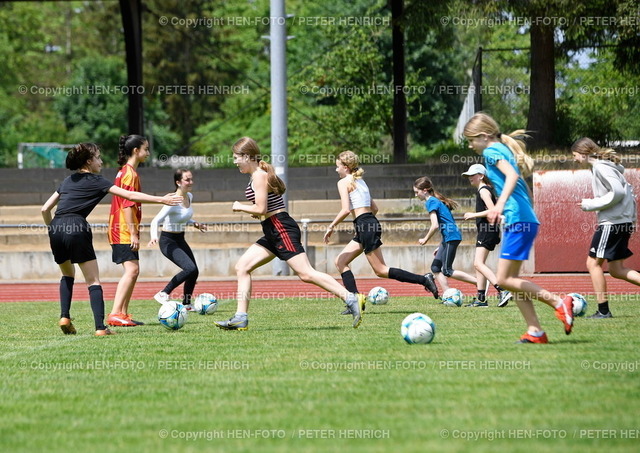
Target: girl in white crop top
[[172, 241], [355, 199]]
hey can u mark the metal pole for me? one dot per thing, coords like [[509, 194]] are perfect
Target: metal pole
[[279, 155]]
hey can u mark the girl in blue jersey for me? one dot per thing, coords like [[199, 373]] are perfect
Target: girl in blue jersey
[[439, 208], [507, 164], [356, 200]]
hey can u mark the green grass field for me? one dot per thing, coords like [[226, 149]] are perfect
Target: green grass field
[[302, 379]]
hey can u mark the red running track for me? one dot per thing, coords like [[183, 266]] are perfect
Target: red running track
[[292, 287]]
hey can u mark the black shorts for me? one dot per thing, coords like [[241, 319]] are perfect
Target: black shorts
[[71, 239], [443, 261], [368, 232], [281, 236], [488, 239], [122, 252], [611, 242]]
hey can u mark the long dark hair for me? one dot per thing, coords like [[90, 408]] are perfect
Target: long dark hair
[[126, 145], [425, 183], [80, 155]]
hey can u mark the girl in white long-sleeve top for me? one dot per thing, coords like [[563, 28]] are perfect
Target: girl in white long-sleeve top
[[616, 207], [172, 241]]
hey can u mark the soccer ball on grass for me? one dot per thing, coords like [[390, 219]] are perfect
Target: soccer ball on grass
[[205, 304], [418, 328], [172, 315], [452, 298], [378, 296]]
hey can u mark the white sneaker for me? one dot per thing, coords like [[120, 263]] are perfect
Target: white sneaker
[[161, 297]]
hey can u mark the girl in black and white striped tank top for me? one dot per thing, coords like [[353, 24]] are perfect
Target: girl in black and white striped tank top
[[274, 200], [282, 237]]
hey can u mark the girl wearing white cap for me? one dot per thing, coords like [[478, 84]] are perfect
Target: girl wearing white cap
[[488, 236]]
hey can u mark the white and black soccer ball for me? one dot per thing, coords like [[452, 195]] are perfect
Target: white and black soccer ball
[[205, 304], [418, 328], [378, 296], [452, 297], [172, 315], [579, 304]]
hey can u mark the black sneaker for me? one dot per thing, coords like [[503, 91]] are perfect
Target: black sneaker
[[477, 303], [430, 285], [504, 297], [598, 315]]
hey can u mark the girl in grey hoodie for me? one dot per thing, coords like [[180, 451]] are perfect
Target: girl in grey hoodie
[[615, 204]]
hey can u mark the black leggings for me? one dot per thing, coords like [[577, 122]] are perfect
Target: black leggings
[[174, 247]]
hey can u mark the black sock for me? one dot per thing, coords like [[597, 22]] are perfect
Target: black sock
[[66, 292], [406, 277], [349, 281], [604, 307], [498, 288], [482, 295], [96, 299]]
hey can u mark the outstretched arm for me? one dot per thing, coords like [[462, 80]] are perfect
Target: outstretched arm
[[170, 199]]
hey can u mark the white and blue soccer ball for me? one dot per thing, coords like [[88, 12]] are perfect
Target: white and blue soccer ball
[[452, 297], [378, 296], [418, 328], [579, 304], [172, 315], [205, 304]]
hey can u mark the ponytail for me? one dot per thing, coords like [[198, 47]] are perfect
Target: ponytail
[[424, 183], [519, 149], [274, 183], [589, 148]]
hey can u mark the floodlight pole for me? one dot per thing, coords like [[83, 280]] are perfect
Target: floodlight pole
[[279, 155]]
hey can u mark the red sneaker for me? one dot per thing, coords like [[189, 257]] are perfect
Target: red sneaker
[[528, 338], [565, 314], [137, 323], [120, 320]]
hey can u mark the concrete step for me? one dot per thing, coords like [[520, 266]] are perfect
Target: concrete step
[[221, 211], [219, 262], [34, 236]]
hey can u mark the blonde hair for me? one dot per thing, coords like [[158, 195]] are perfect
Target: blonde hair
[[248, 147], [481, 123], [589, 148], [425, 183], [350, 160]]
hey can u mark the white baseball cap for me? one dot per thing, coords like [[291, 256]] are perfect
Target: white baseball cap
[[475, 169]]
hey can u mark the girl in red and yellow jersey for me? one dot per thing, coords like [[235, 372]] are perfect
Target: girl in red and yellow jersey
[[124, 227]]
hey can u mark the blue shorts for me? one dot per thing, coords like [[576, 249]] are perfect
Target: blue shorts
[[517, 240]]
